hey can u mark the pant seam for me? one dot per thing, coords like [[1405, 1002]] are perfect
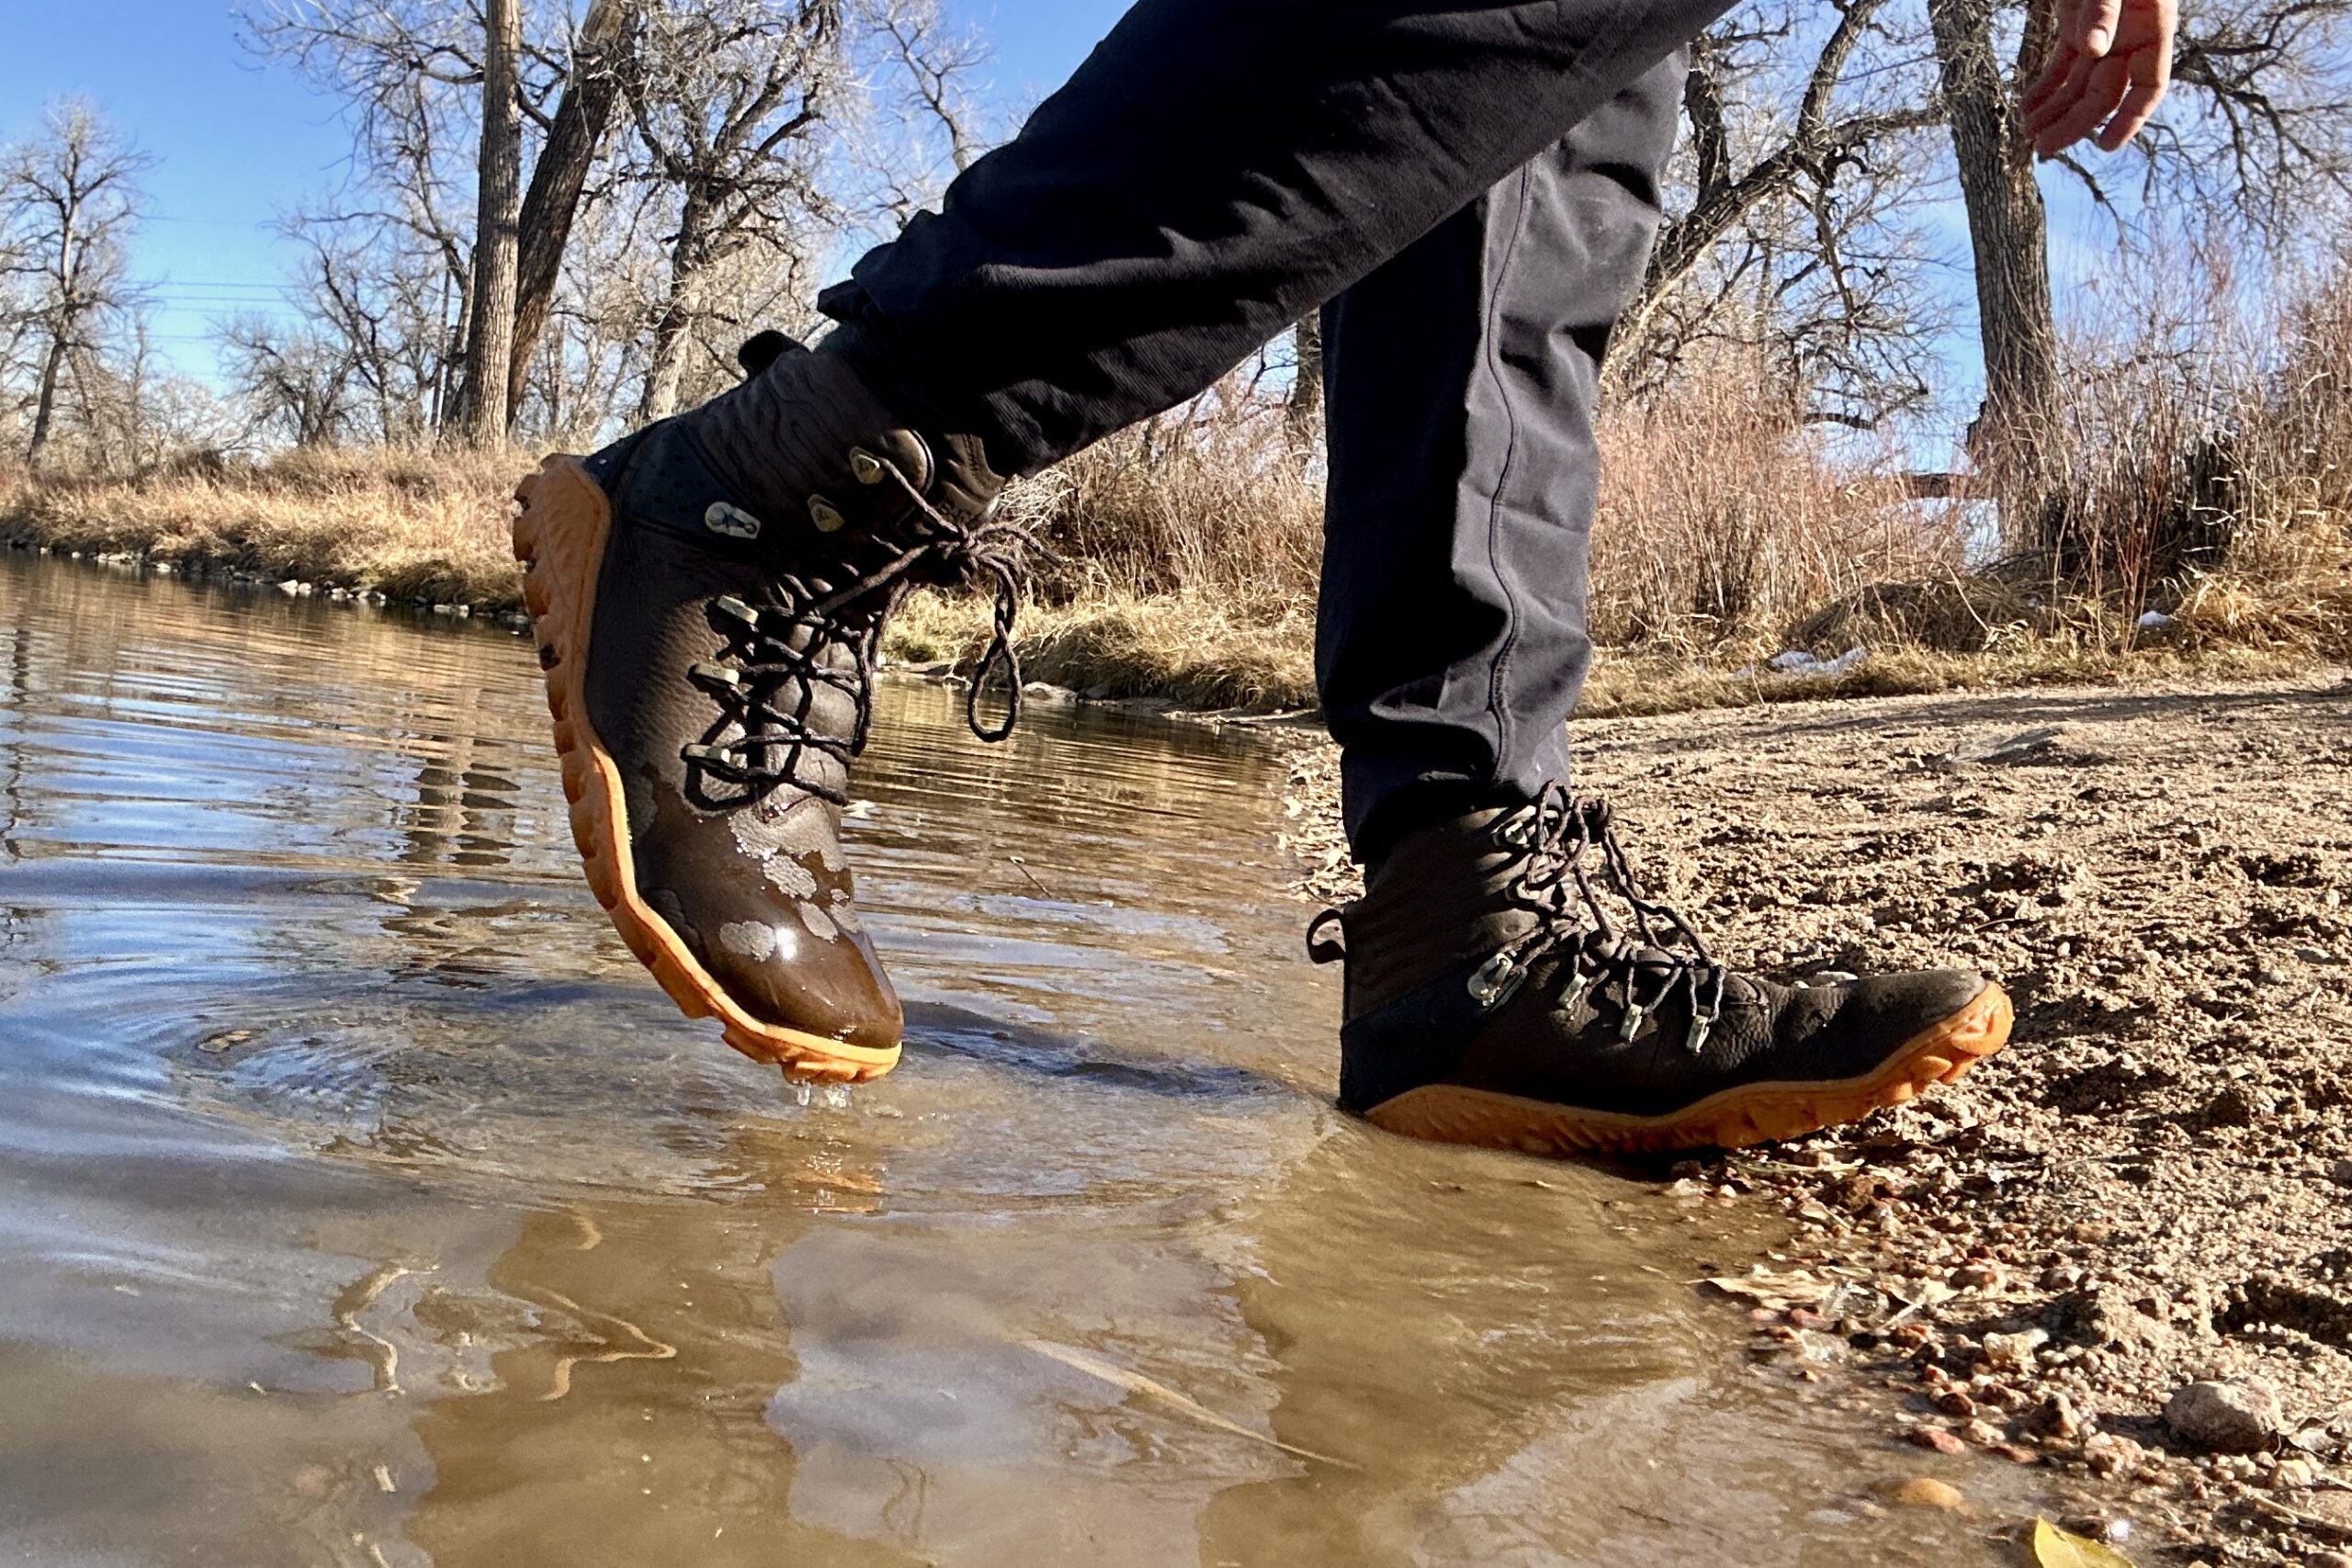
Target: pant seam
[[1498, 709]]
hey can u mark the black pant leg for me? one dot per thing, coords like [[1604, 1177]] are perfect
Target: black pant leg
[[1451, 638], [1217, 169]]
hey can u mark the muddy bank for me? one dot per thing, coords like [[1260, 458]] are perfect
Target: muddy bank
[[2152, 1188]]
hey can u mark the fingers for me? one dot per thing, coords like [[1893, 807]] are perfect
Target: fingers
[[2059, 88], [2110, 66], [2151, 75], [2090, 26], [2064, 103], [2119, 93], [2104, 85]]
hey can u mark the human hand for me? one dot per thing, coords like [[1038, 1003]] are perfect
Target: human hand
[[2110, 63]]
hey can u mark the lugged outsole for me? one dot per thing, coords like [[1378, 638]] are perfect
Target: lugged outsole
[[1753, 1113], [560, 538]]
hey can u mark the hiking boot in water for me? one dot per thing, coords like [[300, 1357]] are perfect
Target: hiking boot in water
[[1494, 998], [707, 597]]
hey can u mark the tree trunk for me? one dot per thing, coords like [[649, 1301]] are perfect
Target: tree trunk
[[667, 369], [1304, 414], [2013, 442], [552, 203], [673, 332], [490, 342], [45, 409]]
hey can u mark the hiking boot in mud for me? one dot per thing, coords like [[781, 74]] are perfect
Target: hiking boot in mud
[[1511, 984], [707, 596]]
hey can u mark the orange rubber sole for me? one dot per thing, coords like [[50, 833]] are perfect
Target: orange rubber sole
[[559, 539], [1734, 1118]]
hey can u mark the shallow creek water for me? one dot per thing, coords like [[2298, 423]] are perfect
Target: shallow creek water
[[362, 1203]]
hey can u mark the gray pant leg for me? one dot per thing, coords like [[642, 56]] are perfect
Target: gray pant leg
[[1451, 641]]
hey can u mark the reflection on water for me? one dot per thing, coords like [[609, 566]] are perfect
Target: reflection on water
[[367, 1205]]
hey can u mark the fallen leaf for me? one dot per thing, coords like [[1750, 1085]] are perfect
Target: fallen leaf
[[1927, 1294], [2053, 1548], [1136, 1382], [1779, 1292]]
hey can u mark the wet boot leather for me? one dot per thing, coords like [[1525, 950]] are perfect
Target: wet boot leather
[[709, 595], [1510, 983]]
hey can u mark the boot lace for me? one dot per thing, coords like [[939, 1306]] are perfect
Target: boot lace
[[1567, 846], [1569, 869], [780, 655]]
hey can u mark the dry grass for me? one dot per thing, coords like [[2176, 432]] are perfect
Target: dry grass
[[1214, 501], [1723, 520], [1183, 646], [412, 528]]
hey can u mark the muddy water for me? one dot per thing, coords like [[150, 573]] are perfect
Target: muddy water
[[361, 1202]]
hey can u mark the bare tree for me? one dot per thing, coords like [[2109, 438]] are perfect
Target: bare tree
[[1792, 235], [1305, 408], [490, 336], [410, 75], [933, 65], [922, 121], [599, 61], [727, 99], [68, 199], [298, 385], [2008, 231]]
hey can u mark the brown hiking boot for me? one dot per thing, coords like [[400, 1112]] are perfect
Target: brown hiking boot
[[707, 596], [1493, 999]]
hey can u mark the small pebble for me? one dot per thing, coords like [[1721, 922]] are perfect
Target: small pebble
[[2232, 1415], [1925, 1492]]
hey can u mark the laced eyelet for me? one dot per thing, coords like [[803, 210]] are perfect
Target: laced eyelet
[[1558, 842], [827, 636], [1497, 978]]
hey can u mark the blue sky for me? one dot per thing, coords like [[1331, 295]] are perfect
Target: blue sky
[[239, 143]]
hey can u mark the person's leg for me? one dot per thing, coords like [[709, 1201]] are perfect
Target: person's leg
[[1510, 980], [1215, 170], [709, 593], [1463, 373]]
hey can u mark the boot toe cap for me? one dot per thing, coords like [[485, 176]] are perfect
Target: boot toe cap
[[1860, 1026], [792, 962]]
